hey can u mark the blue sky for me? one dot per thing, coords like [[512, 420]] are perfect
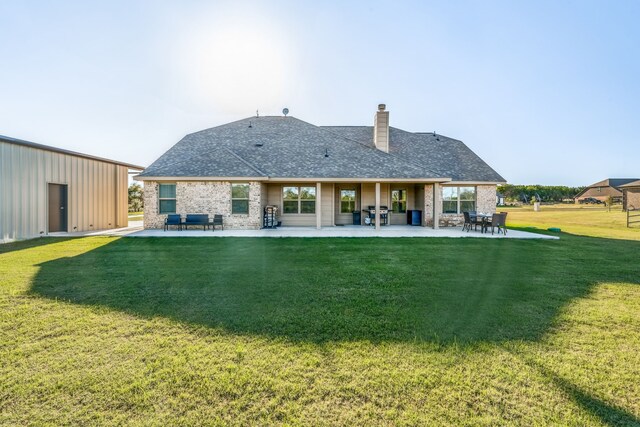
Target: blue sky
[[545, 92]]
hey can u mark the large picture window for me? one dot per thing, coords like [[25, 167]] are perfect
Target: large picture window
[[399, 201], [299, 200], [456, 200], [239, 199], [167, 198], [347, 201]]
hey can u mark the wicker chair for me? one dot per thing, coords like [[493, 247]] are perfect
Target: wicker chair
[[497, 221], [467, 222]]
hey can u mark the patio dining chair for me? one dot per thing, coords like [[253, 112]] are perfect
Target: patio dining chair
[[504, 222], [467, 222], [497, 221]]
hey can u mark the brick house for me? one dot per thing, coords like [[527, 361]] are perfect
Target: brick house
[[602, 190], [631, 195], [317, 176]]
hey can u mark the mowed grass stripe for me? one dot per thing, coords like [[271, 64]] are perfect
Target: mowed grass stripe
[[319, 331]]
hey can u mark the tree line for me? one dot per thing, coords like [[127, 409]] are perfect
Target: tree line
[[542, 193], [136, 198]]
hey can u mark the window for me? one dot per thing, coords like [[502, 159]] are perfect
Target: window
[[467, 199], [239, 199], [299, 200], [399, 201], [458, 199], [167, 198], [449, 199], [347, 201]]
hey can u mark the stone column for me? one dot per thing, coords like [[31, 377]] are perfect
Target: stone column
[[436, 206]]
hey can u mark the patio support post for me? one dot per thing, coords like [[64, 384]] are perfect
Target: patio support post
[[318, 205], [377, 206], [436, 207]]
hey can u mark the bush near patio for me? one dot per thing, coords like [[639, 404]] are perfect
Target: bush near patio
[[232, 331]]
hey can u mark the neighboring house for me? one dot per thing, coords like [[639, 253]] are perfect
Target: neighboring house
[[317, 175], [45, 189], [631, 195], [601, 190]]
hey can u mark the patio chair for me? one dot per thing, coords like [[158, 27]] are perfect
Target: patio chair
[[467, 222], [172, 219], [217, 220], [504, 222], [497, 221]]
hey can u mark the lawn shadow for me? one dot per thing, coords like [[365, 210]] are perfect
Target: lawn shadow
[[19, 245], [607, 413], [319, 290]]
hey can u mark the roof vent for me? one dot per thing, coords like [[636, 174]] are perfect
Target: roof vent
[[326, 152], [285, 111], [250, 124], [259, 144]]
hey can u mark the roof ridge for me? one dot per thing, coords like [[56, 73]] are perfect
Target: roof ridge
[[401, 158], [236, 155]]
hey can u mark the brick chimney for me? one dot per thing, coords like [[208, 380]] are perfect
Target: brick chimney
[[381, 129]]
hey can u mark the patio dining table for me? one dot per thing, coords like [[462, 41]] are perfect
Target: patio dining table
[[483, 217]]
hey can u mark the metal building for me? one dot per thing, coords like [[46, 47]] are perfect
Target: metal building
[[45, 189]]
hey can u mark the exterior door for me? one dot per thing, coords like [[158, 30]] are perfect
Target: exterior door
[[57, 208], [348, 200]]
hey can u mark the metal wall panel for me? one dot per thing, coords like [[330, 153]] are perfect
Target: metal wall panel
[[97, 191]]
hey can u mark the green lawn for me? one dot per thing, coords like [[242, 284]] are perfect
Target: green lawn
[[585, 220], [135, 216], [233, 331]]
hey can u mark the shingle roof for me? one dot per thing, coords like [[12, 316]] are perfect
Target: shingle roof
[[635, 183], [286, 147], [443, 155], [613, 182]]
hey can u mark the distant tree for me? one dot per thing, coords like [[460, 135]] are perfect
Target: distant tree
[[136, 198], [544, 193]]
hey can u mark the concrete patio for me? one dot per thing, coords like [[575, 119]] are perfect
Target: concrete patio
[[135, 230]]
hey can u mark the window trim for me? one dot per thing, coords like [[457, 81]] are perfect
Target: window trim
[[458, 199], [355, 194], [299, 199], [405, 200], [240, 198], [160, 199]]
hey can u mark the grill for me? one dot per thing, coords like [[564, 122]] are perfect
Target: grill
[[269, 217], [371, 219]]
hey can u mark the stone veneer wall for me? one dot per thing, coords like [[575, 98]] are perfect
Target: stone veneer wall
[[207, 197], [486, 200], [427, 214]]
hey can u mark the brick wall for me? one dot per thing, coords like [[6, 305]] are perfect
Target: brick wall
[[633, 198], [206, 197], [427, 214]]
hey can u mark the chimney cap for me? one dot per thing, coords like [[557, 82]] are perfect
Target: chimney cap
[[382, 107]]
